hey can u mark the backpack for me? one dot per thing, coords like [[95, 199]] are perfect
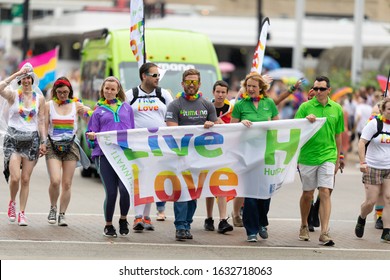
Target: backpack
[[136, 92]]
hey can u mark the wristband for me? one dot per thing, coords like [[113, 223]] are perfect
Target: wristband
[[363, 163], [292, 89], [341, 156]]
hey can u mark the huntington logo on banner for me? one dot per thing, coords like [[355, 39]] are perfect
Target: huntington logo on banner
[[137, 31], [189, 162], [258, 57]]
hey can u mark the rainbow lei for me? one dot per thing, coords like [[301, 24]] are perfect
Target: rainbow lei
[[382, 118], [112, 104], [67, 101], [28, 117], [190, 97], [247, 97]]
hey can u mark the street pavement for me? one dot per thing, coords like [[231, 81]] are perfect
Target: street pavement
[[83, 238]]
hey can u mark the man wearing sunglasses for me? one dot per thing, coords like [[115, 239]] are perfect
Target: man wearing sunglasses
[[149, 103], [319, 157], [189, 108]]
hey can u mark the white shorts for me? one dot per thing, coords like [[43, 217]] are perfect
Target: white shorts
[[317, 176]]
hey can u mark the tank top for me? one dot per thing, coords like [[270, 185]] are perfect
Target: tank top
[[20, 123], [62, 126]]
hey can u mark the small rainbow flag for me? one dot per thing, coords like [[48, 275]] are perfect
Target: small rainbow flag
[[44, 66]]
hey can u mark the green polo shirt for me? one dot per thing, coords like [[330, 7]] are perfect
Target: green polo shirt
[[245, 110], [321, 147]]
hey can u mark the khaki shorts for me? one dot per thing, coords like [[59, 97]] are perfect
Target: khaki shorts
[[375, 176], [317, 176], [73, 155]]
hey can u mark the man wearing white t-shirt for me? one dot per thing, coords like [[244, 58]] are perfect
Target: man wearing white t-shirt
[[149, 103]]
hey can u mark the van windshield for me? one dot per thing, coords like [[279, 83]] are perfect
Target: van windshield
[[171, 81]]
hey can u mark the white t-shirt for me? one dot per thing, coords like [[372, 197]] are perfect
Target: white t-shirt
[[149, 112], [378, 147]]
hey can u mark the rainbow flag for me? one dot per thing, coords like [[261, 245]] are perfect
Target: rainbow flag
[[44, 66]]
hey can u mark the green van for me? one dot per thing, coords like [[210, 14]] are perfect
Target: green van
[[107, 53]]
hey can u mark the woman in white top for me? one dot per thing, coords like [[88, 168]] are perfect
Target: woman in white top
[[63, 151], [376, 169], [22, 143]]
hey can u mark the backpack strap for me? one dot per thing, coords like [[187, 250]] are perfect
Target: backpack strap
[[379, 127], [135, 95], [159, 95]]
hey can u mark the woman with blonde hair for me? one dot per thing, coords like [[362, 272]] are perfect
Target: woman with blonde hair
[[255, 106]]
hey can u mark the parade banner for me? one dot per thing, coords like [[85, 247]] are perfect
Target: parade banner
[[137, 31], [258, 57], [189, 162]]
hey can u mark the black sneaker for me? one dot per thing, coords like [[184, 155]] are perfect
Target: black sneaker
[[385, 235], [109, 231], [188, 234], [181, 234], [209, 224], [224, 226], [379, 223], [263, 232], [359, 228], [123, 227]]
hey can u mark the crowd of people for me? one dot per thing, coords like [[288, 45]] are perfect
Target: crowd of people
[[38, 128]]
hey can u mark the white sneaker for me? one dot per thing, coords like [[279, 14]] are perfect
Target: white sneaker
[[61, 220]]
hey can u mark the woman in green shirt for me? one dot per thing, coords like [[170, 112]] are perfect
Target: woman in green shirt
[[255, 106]]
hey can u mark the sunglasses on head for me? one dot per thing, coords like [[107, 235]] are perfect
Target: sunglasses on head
[[319, 88], [189, 82], [155, 75]]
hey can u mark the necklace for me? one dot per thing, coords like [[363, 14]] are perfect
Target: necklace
[[67, 101], [382, 118], [191, 97], [112, 104], [33, 111], [247, 97]]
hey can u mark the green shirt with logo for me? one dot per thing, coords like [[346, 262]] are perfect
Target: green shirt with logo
[[245, 110], [321, 147]]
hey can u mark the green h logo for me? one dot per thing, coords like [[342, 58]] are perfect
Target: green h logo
[[273, 145]]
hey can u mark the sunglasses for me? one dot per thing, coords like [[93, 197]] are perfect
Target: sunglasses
[[319, 88], [155, 75], [189, 82]]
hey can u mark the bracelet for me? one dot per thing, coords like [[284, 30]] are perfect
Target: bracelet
[[292, 89], [363, 163], [341, 156], [43, 142]]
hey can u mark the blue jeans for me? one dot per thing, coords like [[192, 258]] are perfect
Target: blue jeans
[[160, 206], [255, 214], [184, 212]]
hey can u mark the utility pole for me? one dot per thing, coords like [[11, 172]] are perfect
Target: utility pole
[[298, 49], [357, 48], [25, 43]]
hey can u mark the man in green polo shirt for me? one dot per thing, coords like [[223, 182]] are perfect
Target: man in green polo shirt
[[319, 157]]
